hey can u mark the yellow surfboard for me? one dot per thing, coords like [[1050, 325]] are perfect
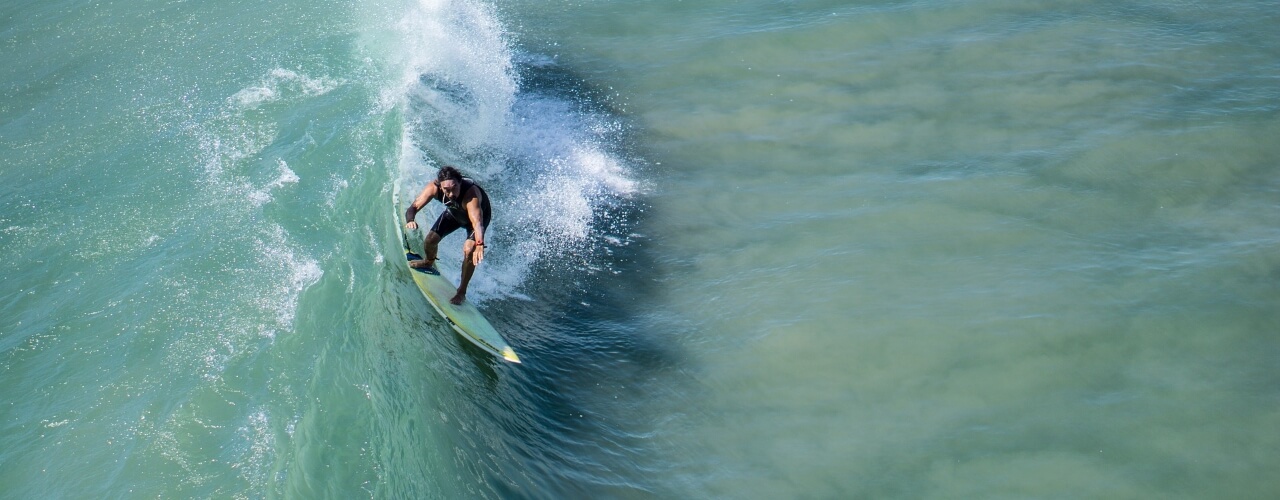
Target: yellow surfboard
[[466, 318]]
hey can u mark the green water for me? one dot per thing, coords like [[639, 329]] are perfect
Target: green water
[[746, 250]]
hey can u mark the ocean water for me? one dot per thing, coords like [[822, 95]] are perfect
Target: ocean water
[[887, 249]]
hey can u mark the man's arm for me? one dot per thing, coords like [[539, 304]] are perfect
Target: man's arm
[[421, 201], [477, 219]]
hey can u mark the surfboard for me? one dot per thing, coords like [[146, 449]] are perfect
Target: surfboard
[[466, 318]]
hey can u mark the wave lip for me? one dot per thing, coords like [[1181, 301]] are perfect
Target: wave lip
[[548, 153]]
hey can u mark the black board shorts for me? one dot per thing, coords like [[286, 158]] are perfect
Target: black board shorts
[[446, 224]]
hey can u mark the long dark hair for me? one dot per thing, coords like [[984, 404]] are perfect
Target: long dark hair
[[448, 172]]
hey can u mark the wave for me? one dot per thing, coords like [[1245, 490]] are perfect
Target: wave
[[550, 157]]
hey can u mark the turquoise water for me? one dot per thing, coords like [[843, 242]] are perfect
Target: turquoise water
[[745, 249]]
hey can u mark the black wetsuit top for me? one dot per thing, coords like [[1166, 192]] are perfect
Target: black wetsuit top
[[459, 210]]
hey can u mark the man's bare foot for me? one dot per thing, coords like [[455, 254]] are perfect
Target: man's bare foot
[[426, 266], [458, 299]]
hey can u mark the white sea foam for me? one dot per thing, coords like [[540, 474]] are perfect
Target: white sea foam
[[262, 195], [282, 83], [461, 45], [299, 273], [261, 303]]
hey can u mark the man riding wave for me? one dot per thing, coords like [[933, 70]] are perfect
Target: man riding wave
[[466, 206]]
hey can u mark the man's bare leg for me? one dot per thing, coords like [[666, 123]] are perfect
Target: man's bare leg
[[430, 245]]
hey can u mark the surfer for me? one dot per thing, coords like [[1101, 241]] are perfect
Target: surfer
[[466, 205]]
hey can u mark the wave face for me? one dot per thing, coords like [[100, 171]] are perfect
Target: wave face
[[205, 295], [557, 161]]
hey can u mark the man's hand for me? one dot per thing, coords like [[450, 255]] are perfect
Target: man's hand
[[411, 225], [477, 254]]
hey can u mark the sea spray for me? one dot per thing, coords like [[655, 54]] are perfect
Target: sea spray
[[550, 161]]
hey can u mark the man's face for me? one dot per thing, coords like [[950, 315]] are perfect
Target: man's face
[[450, 188]]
